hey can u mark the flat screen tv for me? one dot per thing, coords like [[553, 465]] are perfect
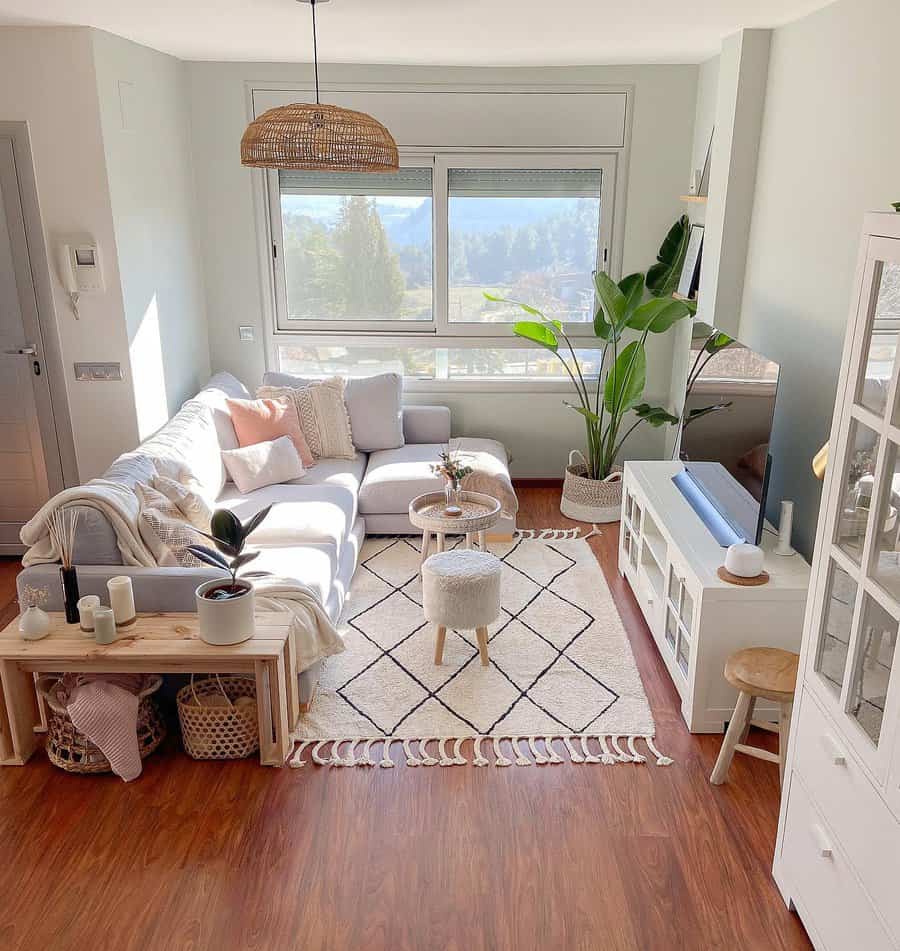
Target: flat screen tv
[[726, 428]]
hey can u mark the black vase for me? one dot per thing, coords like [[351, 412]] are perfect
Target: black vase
[[70, 593]]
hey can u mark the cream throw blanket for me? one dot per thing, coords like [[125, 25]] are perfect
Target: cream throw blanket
[[490, 474], [314, 634]]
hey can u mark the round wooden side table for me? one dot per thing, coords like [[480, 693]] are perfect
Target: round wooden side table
[[479, 513]]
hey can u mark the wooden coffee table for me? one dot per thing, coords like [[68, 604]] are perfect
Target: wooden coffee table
[[479, 513], [154, 644]]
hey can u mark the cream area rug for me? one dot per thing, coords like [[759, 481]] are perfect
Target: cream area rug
[[562, 684]]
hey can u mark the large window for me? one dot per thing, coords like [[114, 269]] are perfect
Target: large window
[[376, 272], [355, 247], [526, 234]]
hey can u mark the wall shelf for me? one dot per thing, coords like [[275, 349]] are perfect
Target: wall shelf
[[697, 199]]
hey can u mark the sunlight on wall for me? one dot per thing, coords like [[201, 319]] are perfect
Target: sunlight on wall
[[147, 370]]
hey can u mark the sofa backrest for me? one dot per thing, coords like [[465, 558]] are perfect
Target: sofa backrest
[[378, 419]]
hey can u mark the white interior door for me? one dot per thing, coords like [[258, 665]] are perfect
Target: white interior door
[[27, 433]]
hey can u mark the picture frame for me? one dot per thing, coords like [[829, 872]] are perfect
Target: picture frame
[[689, 282]]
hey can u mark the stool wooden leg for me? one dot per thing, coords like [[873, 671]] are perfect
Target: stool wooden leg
[[739, 720], [746, 730], [482, 635], [439, 645], [784, 731]]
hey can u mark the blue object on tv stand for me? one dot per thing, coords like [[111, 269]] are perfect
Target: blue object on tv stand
[[719, 527]]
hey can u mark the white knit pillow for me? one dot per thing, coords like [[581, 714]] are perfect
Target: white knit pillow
[[164, 529], [323, 416], [263, 463]]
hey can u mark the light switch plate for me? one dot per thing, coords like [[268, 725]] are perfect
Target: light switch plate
[[98, 372], [246, 333]]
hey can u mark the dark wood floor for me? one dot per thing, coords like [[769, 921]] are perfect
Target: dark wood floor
[[222, 856]]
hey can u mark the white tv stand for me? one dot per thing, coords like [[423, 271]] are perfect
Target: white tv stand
[[669, 558]]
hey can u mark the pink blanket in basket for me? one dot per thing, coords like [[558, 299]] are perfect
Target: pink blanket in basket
[[104, 708]]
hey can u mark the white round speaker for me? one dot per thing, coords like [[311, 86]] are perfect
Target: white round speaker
[[744, 560]]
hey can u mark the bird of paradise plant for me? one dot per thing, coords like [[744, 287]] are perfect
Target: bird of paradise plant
[[622, 378]]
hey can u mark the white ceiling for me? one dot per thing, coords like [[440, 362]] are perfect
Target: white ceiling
[[465, 32]]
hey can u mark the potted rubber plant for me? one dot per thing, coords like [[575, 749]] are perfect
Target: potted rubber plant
[[225, 606], [639, 305]]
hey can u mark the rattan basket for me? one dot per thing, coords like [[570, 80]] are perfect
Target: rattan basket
[[591, 500], [74, 752], [213, 729]]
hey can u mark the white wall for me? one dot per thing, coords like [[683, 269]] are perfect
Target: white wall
[[538, 430], [47, 79], [145, 116], [828, 153]]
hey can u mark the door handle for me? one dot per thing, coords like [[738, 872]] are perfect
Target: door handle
[[26, 351]]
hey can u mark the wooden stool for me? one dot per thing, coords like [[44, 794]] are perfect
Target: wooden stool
[[758, 672]]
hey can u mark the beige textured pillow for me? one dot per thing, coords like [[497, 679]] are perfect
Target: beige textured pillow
[[164, 530], [323, 416]]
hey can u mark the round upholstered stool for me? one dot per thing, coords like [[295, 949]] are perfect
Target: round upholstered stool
[[461, 590], [767, 672]]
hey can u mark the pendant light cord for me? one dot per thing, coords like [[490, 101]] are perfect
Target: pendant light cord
[[315, 49]]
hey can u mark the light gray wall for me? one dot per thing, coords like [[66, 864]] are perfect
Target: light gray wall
[[539, 431], [47, 79], [145, 117], [704, 120], [828, 153]]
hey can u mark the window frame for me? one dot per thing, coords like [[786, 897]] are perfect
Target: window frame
[[440, 332]]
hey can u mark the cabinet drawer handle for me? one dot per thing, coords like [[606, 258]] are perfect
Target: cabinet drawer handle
[[822, 842], [834, 751]]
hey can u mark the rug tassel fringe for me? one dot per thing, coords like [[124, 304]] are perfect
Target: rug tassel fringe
[[525, 750]]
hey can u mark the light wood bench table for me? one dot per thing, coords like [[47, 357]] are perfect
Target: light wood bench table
[[154, 644]]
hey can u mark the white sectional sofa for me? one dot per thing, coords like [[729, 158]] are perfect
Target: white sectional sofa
[[314, 533]]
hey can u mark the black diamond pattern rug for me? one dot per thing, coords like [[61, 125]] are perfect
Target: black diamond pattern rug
[[562, 681]]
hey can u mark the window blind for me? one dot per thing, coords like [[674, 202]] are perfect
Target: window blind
[[413, 182], [525, 183]]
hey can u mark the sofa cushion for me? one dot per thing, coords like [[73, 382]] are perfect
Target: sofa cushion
[[214, 394], [187, 446], [373, 405], [303, 513], [315, 565], [394, 477], [345, 472]]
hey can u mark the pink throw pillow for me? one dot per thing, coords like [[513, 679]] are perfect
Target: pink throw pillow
[[264, 420]]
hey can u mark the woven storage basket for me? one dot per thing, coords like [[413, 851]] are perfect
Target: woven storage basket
[[591, 500], [73, 751], [217, 730]]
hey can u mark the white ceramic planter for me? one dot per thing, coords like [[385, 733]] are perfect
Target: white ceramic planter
[[225, 622]]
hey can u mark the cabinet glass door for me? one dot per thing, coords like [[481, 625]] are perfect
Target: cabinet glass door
[[679, 620], [857, 620]]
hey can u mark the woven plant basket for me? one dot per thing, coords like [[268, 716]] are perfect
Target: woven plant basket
[[74, 752], [591, 500], [217, 722]]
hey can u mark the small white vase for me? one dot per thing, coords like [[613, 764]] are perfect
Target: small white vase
[[225, 622], [34, 623]]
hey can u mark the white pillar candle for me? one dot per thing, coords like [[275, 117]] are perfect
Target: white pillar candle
[[104, 625], [86, 607], [121, 599]]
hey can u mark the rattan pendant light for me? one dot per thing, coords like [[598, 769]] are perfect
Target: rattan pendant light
[[316, 136]]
